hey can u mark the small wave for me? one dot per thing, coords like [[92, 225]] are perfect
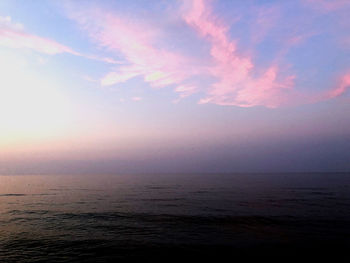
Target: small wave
[[321, 193], [42, 194], [13, 195], [164, 187], [72, 189], [201, 192], [306, 188], [174, 219], [162, 199], [28, 212], [9, 195]]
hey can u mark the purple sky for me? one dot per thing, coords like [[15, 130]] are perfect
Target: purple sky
[[174, 86]]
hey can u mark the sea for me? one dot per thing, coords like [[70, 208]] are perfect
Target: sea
[[175, 217]]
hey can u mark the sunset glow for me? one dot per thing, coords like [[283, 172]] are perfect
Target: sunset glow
[[201, 82]]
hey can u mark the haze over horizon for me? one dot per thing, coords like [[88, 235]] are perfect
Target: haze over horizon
[[174, 86]]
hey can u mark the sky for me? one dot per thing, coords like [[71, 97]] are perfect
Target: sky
[[174, 86]]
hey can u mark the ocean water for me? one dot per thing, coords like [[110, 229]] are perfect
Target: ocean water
[[111, 218]]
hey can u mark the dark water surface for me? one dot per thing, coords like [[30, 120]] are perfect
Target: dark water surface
[[172, 217]]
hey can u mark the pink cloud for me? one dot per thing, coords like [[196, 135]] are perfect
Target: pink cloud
[[328, 5], [136, 98], [23, 40], [236, 83], [237, 80], [343, 86], [137, 44], [186, 90], [12, 35], [266, 19], [298, 39]]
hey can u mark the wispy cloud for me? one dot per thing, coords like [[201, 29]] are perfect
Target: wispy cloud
[[343, 86], [186, 90], [266, 19], [13, 35], [235, 77], [328, 5], [136, 43], [236, 84], [136, 98]]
